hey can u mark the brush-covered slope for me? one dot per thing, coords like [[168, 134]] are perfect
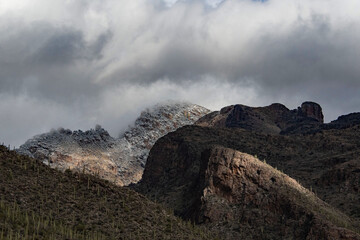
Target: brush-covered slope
[[119, 160], [176, 169], [37, 202]]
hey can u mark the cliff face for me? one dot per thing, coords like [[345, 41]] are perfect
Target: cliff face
[[239, 196], [119, 160], [312, 110]]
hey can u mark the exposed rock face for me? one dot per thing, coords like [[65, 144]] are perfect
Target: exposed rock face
[[312, 110], [273, 119], [241, 191], [237, 195], [119, 160]]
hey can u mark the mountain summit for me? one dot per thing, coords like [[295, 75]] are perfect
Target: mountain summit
[[120, 160]]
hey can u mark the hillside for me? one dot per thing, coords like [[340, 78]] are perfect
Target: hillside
[[311, 159], [206, 174], [236, 194], [323, 156], [118, 159], [38, 202]]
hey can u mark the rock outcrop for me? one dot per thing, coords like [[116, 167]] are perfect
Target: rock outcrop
[[239, 196], [120, 160], [312, 110]]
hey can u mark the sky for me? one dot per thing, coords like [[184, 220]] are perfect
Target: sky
[[75, 64]]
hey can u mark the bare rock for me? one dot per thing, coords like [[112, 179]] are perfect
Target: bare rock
[[312, 110]]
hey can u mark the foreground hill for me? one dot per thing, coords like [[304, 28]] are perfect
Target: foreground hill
[[38, 202], [119, 160]]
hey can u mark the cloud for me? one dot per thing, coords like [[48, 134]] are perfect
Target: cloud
[[22, 117], [115, 108], [106, 60], [120, 106]]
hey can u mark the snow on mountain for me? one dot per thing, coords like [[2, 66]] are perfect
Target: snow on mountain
[[120, 160]]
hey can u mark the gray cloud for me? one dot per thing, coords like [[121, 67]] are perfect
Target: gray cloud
[[75, 64], [66, 47], [63, 48]]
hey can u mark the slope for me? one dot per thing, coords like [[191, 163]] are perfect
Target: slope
[[38, 202], [174, 175]]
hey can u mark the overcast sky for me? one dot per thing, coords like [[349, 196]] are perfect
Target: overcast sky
[[76, 63]]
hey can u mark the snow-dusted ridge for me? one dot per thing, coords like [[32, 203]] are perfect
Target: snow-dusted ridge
[[120, 160]]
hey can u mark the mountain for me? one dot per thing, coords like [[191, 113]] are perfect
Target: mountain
[[273, 119], [38, 202], [277, 119], [120, 160], [212, 174], [241, 173], [238, 196]]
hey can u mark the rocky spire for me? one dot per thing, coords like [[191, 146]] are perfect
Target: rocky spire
[[312, 110]]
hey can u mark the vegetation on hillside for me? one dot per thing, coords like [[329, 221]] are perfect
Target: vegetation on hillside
[[38, 202]]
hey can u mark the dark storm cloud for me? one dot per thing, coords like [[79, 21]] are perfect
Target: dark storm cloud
[[312, 52], [78, 63], [61, 49], [65, 47], [48, 62]]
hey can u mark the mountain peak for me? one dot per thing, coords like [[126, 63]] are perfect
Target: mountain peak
[[120, 160]]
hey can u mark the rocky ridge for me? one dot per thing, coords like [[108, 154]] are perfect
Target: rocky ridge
[[120, 160], [277, 119], [273, 119]]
